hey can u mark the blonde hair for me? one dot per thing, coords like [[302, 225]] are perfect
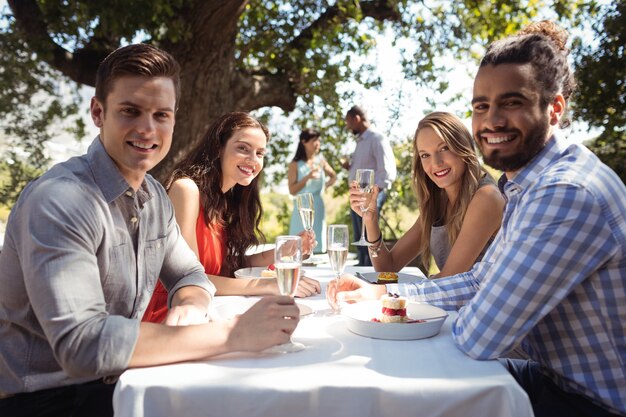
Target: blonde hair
[[431, 199]]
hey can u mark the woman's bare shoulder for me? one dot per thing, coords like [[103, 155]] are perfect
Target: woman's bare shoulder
[[488, 195], [185, 187]]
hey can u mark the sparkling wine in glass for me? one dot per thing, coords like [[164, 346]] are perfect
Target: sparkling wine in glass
[[365, 181], [304, 203], [337, 247], [288, 263]]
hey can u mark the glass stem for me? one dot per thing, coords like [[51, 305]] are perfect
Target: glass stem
[[363, 227]]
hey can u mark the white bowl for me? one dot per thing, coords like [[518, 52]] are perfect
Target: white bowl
[[359, 320]]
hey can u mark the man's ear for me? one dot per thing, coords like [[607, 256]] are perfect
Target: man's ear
[[556, 109], [97, 112]]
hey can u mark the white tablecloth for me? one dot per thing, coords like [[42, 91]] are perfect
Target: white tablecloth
[[339, 374]]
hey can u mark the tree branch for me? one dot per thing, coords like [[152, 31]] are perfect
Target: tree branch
[[79, 66], [378, 10], [256, 90]]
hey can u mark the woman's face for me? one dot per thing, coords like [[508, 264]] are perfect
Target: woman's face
[[242, 157], [312, 146], [441, 164]]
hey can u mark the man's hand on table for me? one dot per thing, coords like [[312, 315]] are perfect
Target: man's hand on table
[[349, 288], [185, 315], [190, 305], [269, 322]]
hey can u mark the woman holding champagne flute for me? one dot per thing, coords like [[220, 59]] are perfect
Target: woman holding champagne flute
[[215, 193], [309, 172], [460, 207]]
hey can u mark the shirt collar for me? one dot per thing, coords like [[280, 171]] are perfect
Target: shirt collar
[[362, 135], [105, 172], [552, 150]]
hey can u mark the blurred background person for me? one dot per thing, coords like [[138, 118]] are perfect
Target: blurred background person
[[309, 172], [372, 151], [215, 193]]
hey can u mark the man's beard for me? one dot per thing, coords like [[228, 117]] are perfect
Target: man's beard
[[534, 142]]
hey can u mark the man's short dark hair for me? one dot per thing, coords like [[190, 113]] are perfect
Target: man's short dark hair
[[136, 60], [357, 111]]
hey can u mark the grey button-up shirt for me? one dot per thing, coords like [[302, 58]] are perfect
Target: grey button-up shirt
[[373, 151], [81, 257]]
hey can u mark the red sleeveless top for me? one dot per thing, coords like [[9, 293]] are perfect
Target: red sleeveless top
[[212, 251]]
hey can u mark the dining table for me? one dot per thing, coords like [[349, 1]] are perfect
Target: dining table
[[339, 373]]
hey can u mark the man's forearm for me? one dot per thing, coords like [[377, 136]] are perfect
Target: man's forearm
[[192, 295]]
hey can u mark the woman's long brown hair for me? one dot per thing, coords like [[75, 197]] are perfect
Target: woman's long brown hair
[[431, 199], [238, 210]]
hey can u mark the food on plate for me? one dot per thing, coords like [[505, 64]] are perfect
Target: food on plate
[[387, 278], [270, 272], [394, 308]]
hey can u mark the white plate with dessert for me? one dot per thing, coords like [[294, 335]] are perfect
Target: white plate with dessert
[[229, 309], [394, 318], [256, 272]]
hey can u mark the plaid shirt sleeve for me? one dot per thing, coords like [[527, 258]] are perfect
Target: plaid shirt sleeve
[[552, 240]]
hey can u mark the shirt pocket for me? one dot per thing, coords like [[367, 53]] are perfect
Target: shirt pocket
[[154, 254], [119, 279]]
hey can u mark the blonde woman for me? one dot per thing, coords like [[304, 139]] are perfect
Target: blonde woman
[[460, 207]]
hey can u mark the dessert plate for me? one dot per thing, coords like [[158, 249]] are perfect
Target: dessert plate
[[228, 309], [359, 321]]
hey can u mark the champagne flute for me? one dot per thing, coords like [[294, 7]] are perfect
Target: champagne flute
[[304, 203], [288, 262], [365, 181], [337, 239], [337, 247]]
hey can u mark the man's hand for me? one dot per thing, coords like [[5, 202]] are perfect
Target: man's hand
[[350, 289], [190, 305], [269, 322], [185, 315]]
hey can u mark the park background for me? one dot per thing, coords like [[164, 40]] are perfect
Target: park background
[[293, 64]]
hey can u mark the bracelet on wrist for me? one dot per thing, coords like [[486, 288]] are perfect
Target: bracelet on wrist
[[375, 248], [380, 237]]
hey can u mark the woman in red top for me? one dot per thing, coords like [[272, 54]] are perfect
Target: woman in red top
[[215, 193]]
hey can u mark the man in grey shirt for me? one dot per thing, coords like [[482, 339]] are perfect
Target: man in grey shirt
[[83, 248], [372, 151]]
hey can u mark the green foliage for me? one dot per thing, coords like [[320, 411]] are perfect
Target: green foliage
[[35, 102], [610, 147], [311, 42], [601, 96], [15, 175], [401, 193], [276, 215]]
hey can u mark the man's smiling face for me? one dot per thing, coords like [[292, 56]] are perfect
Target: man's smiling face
[[136, 123], [510, 124]]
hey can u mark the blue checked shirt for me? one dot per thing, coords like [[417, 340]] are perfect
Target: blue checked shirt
[[554, 279]]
